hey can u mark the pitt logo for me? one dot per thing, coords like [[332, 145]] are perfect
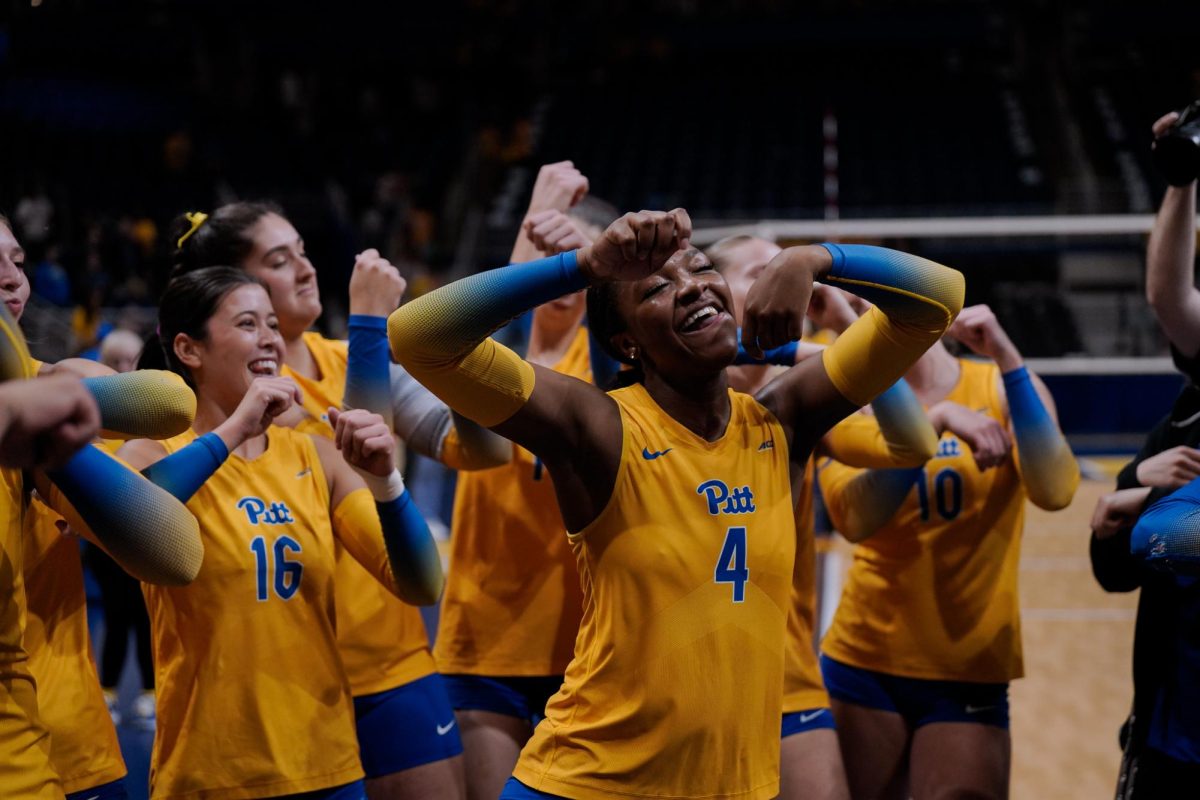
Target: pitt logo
[[722, 501], [948, 448], [257, 511]]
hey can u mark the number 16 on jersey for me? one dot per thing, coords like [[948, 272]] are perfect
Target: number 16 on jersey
[[731, 563]]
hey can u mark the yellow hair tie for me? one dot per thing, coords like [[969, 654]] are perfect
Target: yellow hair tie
[[197, 219]]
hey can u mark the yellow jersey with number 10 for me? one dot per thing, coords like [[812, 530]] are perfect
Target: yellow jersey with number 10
[[933, 594], [382, 640], [676, 686]]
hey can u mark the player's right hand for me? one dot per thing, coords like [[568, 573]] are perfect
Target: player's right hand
[[1117, 510], [1170, 469], [1164, 123], [988, 440], [636, 245], [46, 421], [554, 232], [265, 400], [375, 285]]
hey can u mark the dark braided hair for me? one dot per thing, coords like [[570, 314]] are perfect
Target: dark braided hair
[[222, 239], [605, 322]]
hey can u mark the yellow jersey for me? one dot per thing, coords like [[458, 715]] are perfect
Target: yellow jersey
[[675, 689], [83, 742], [253, 700], [513, 601], [382, 640], [803, 687], [933, 594]]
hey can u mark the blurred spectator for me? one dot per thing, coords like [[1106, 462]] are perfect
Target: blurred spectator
[[50, 279]]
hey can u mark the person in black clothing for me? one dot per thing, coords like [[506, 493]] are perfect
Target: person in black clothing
[[1161, 738]]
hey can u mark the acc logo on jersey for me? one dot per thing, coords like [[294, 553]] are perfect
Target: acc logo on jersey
[[258, 511], [722, 501]]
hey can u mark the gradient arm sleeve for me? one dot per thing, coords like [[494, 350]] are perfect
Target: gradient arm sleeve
[[441, 337], [914, 299], [392, 541], [368, 384], [898, 435], [143, 404], [1048, 469], [147, 531], [1167, 534], [183, 472], [784, 355], [860, 502]]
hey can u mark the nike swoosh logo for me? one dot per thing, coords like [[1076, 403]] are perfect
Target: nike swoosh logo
[[303, 472], [1183, 423], [94, 797], [646, 454], [979, 709], [804, 718], [444, 729]]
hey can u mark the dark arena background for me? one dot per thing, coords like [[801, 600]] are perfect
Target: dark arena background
[[1011, 141]]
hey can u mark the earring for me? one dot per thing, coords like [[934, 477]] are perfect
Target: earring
[[633, 353]]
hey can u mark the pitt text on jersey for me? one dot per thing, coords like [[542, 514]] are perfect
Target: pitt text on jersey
[[258, 511], [723, 501]]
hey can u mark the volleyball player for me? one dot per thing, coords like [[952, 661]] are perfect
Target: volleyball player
[[926, 637], [676, 491], [513, 603], [897, 434], [383, 642], [253, 696]]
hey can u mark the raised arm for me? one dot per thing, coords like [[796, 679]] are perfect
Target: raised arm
[[914, 299], [441, 339], [1171, 262], [1048, 468], [861, 501]]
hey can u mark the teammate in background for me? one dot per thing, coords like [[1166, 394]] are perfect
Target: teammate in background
[[1161, 738], [253, 696], [383, 642], [897, 434], [513, 602], [147, 533], [927, 634], [676, 491]]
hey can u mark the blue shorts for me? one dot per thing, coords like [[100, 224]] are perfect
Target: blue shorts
[[918, 700], [523, 698], [105, 791], [347, 791], [515, 790], [406, 727], [812, 719]]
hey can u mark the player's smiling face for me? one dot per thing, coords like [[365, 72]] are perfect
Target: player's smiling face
[[243, 343], [278, 260], [680, 318]]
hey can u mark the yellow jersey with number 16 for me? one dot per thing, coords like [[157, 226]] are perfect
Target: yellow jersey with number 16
[[676, 686]]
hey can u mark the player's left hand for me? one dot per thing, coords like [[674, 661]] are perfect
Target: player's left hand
[[1117, 510], [375, 285], [554, 232], [365, 440], [978, 328], [778, 300]]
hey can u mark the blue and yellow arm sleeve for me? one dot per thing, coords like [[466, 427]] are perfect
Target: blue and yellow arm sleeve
[[1048, 469], [914, 299], [368, 378], [392, 541], [147, 531], [183, 472], [1167, 534], [143, 404], [784, 355], [860, 502], [897, 435], [442, 339]]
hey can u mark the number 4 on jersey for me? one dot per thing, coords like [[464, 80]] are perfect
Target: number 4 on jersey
[[731, 564]]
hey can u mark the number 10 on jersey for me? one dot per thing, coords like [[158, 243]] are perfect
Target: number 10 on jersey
[[731, 563]]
